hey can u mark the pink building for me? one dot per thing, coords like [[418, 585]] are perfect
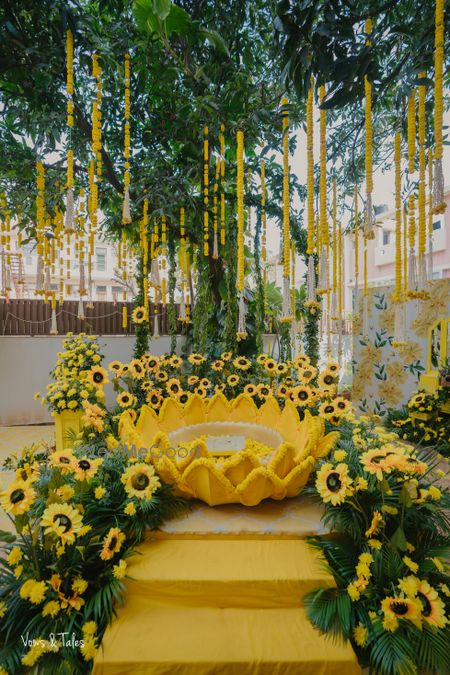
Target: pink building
[[381, 252]]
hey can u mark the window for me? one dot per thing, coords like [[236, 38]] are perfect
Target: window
[[116, 290], [101, 259], [386, 237], [436, 225]]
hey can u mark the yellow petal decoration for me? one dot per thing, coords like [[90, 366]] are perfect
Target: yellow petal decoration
[[277, 466]]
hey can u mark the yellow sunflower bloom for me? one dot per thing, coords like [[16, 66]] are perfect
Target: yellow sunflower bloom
[[17, 498], [261, 359], [137, 369], [154, 399], [264, 391], [327, 378], [140, 481], [433, 609], [302, 396], [333, 483], [112, 543], [242, 363], [396, 608], [327, 410], [62, 520], [250, 389], [196, 359], [217, 365], [115, 367], [139, 315], [376, 524], [98, 376], [233, 380], [64, 460], [86, 468], [125, 400], [226, 356], [306, 373], [270, 365], [173, 386]]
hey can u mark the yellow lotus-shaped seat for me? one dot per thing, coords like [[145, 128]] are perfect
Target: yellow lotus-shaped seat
[[224, 452]]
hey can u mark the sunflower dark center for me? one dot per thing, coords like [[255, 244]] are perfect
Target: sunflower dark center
[[112, 544], [152, 363], [377, 459], [64, 460], [264, 391], [63, 521], [17, 496], [341, 405], [84, 464], [98, 377], [183, 398], [303, 395], [426, 611], [174, 387], [137, 368], [334, 482], [329, 409], [154, 398], [140, 481], [399, 608], [328, 379]]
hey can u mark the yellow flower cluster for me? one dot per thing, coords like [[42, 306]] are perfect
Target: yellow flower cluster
[[286, 198], [205, 192], [310, 167], [422, 170], [240, 209], [40, 210], [325, 240], [97, 116]]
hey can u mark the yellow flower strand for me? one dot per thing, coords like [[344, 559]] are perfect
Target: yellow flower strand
[[205, 192], [264, 231], [335, 251], [310, 168], [144, 252], [216, 210], [126, 217], [286, 198], [240, 209], [422, 171], [222, 184], [411, 168], [398, 218], [368, 230], [438, 78], [325, 239], [405, 252]]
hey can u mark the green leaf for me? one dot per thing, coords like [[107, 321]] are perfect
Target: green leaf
[[162, 8], [398, 539], [178, 21], [214, 39], [7, 537]]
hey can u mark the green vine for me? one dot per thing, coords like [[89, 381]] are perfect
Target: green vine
[[142, 330], [259, 293], [172, 312]]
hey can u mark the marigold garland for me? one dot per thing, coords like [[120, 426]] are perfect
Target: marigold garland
[[398, 294], [126, 214], [311, 302], [422, 273], [286, 313], [323, 249], [430, 212], [97, 117], [70, 109], [215, 253], [241, 331], [439, 204], [222, 184], [412, 265], [205, 192]]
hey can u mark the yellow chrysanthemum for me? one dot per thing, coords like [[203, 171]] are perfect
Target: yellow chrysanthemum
[[360, 634], [17, 498], [14, 556], [140, 481], [62, 520], [51, 608], [333, 483], [112, 543], [120, 570], [33, 590], [99, 492], [130, 509]]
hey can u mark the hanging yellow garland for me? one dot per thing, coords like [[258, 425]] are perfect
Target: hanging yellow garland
[[241, 331], [369, 218], [205, 192], [334, 285], [413, 291], [97, 117], [126, 212], [398, 294], [323, 250], [215, 253], [430, 212], [286, 311], [311, 302], [222, 185], [70, 110], [439, 204], [422, 271]]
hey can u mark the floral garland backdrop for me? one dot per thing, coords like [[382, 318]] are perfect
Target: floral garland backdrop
[[385, 376]]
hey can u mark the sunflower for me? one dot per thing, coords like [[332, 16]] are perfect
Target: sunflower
[[408, 464], [395, 608], [301, 360], [152, 363], [162, 376], [281, 368], [242, 363], [112, 543], [192, 380], [233, 380], [416, 401], [333, 367], [326, 379], [86, 468], [173, 386], [204, 382], [250, 389], [376, 522], [183, 397], [342, 406], [140, 481], [283, 391], [124, 370], [139, 315], [201, 392], [333, 483], [261, 359], [217, 365], [62, 520], [270, 365], [115, 367], [125, 400], [146, 385], [175, 361], [226, 356], [137, 369], [264, 391], [196, 359], [219, 388], [154, 399], [327, 410], [376, 461], [98, 376], [306, 373], [301, 396], [64, 460], [17, 498], [433, 609]]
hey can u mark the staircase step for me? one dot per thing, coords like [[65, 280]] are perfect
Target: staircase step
[[148, 640], [226, 573]]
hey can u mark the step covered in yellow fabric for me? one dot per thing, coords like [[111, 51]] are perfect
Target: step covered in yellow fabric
[[226, 573], [148, 640]]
